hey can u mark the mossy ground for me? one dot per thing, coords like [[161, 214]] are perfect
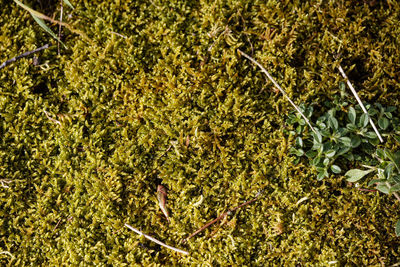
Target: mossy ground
[[175, 104]]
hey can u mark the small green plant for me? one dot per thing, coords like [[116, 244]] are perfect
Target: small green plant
[[39, 18], [344, 139], [342, 134]]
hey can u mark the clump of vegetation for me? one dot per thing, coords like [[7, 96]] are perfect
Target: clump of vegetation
[[343, 135]]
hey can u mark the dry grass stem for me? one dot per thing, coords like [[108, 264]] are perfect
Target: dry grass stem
[[222, 216], [44, 17], [3, 183], [60, 26], [277, 86], [50, 118], [359, 102], [4, 64], [156, 241], [120, 35]]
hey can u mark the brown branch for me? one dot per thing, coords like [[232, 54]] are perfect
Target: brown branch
[[155, 240], [23, 55], [222, 216]]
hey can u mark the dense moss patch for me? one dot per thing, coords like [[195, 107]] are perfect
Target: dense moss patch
[[173, 103]]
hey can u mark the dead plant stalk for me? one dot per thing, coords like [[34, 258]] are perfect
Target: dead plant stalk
[[155, 240], [360, 102], [222, 216], [278, 86]]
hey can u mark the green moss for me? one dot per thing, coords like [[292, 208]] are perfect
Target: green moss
[[127, 107]]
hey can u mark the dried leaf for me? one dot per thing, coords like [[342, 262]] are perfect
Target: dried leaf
[[162, 200]]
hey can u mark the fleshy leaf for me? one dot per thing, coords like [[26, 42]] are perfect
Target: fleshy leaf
[[356, 174]]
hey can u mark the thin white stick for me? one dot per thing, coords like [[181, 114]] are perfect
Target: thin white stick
[[120, 35], [277, 86], [156, 241], [360, 103], [59, 27], [50, 118]]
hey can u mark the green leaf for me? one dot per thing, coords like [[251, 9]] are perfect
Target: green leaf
[[371, 135], [333, 123], [390, 109], [383, 123], [345, 141], [352, 115], [336, 169], [325, 133], [342, 86], [363, 120], [397, 138], [380, 153], [355, 141], [397, 228], [330, 153], [372, 112], [299, 142], [47, 29], [383, 188], [297, 152], [315, 161], [317, 137], [394, 188], [349, 156], [342, 151], [351, 127], [393, 157], [311, 153], [388, 171], [376, 181], [322, 174], [37, 16], [69, 4], [356, 174], [374, 141]]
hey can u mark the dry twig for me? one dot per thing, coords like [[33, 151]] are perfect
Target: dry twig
[[222, 216], [23, 55], [278, 86], [155, 240], [360, 102]]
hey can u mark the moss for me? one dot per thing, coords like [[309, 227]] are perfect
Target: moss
[[175, 104]]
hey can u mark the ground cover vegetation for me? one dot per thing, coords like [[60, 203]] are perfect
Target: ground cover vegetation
[[148, 118]]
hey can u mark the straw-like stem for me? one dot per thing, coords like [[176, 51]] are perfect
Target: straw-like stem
[[155, 240], [278, 86], [360, 103]]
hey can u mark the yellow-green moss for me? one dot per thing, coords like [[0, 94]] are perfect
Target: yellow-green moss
[[127, 107]]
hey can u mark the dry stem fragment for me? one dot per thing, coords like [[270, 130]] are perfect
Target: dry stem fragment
[[359, 102], [222, 216], [162, 200], [278, 86], [155, 240]]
